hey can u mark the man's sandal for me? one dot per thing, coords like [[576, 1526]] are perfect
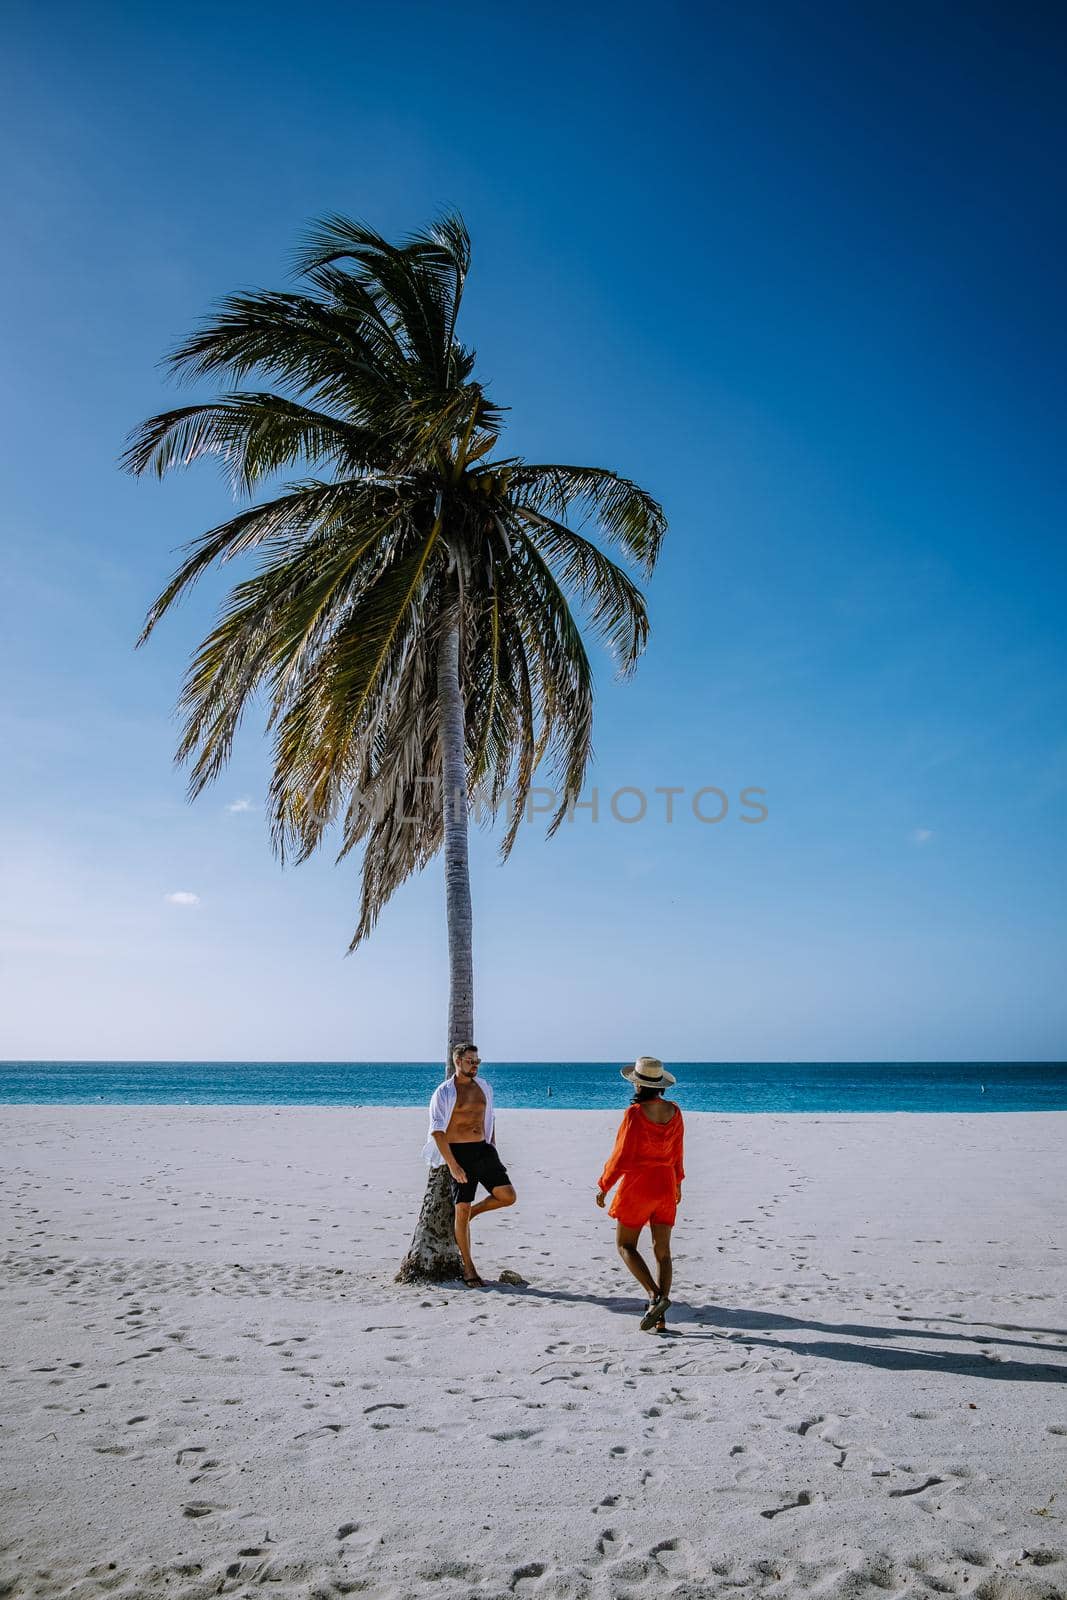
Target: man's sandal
[[656, 1309], [474, 1282]]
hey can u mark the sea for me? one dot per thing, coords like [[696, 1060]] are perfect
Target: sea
[[770, 1086]]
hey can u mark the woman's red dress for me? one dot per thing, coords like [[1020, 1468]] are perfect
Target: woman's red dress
[[647, 1165]]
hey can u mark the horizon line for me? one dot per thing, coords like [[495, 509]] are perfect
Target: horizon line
[[503, 1061]]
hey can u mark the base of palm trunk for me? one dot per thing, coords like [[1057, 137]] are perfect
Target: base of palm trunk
[[432, 1256]]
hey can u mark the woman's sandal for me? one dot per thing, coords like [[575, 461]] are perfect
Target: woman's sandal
[[654, 1314], [475, 1282]]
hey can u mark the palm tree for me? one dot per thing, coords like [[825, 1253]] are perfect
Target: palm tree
[[409, 623]]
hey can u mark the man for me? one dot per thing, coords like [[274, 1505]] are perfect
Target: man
[[462, 1129]]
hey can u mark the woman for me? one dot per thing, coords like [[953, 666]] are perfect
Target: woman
[[647, 1164]]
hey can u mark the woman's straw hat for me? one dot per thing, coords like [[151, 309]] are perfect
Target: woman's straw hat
[[648, 1073]]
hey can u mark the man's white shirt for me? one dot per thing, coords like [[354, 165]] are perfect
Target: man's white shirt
[[442, 1105]]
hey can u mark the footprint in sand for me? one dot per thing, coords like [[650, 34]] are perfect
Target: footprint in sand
[[804, 1498], [212, 1467], [201, 1508], [450, 1569], [610, 1544], [348, 1530], [527, 1574], [674, 1557], [1042, 1558], [325, 1431], [919, 1488]]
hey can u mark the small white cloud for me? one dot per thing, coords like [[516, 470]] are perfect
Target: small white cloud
[[182, 897], [240, 805], [921, 835]]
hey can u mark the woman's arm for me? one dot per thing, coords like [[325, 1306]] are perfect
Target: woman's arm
[[616, 1162]]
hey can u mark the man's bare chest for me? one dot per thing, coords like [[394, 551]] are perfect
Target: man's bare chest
[[468, 1113]]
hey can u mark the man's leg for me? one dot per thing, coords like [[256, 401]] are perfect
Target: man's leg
[[463, 1237], [626, 1239], [661, 1244], [503, 1196]]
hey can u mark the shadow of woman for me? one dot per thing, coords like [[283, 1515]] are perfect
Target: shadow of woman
[[752, 1329]]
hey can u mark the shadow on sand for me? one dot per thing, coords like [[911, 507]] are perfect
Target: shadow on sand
[[754, 1330]]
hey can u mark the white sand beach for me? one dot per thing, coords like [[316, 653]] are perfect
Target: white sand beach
[[211, 1384]]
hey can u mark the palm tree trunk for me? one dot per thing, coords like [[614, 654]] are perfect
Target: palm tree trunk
[[432, 1253], [457, 871]]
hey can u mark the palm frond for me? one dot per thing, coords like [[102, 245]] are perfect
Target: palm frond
[[561, 677], [253, 433], [271, 625], [417, 286], [616, 605], [303, 508], [627, 513], [307, 345], [323, 715]]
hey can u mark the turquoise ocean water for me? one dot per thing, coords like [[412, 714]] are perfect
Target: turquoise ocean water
[[549, 1085]]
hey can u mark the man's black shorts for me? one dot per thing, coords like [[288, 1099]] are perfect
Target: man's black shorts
[[482, 1165]]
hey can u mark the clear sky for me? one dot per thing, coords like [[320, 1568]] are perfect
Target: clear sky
[[797, 268]]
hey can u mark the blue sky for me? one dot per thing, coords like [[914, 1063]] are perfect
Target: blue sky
[[797, 269]]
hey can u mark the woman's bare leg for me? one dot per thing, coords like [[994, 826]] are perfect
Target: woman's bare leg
[[626, 1240], [661, 1244]]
